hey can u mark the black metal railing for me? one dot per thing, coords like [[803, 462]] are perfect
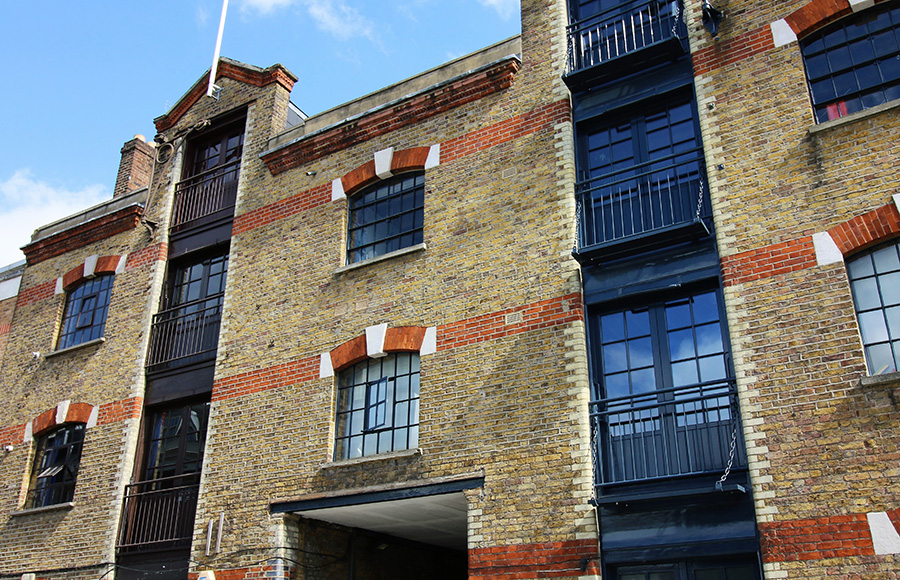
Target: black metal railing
[[205, 195], [622, 30], [666, 192], [159, 514], [185, 334], [668, 433]]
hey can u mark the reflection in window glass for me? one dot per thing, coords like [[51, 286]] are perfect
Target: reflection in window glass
[[378, 406], [875, 284], [855, 63]]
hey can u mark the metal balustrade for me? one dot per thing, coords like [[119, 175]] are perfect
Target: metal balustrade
[[185, 334], [159, 514], [641, 199], [624, 29], [204, 195], [667, 433]]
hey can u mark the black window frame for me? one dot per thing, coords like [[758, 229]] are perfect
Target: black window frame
[[55, 466], [842, 60], [659, 404], [874, 275], [168, 464], [386, 216], [649, 180], [85, 314], [377, 407]]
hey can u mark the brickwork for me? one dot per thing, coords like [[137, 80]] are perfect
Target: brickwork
[[547, 560], [820, 445], [136, 166]]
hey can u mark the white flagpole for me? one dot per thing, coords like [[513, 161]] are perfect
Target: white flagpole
[[215, 64]]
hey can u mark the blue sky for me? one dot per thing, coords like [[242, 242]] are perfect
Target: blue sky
[[81, 78]]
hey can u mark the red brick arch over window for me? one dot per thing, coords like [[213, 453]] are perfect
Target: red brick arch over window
[[78, 274], [866, 230], [402, 161], [64, 412], [399, 339], [816, 14]]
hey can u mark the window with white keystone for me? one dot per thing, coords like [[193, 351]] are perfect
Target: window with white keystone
[[85, 315], [55, 466], [854, 64], [378, 406], [386, 217]]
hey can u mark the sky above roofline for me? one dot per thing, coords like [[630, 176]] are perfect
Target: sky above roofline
[[82, 78]]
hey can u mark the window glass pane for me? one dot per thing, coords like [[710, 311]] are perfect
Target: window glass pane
[[640, 353], [377, 222], [684, 373], [709, 339], [886, 259], [865, 294], [614, 358], [643, 381], [681, 344], [712, 368], [873, 327], [880, 359]]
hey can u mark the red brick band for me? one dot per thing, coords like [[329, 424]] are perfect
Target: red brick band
[[545, 560], [303, 201], [729, 51], [4, 329], [409, 112], [120, 410], [537, 120], [768, 261], [816, 539], [543, 314], [36, 293], [83, 234], [147, 255], [283, 375], [533, 121]]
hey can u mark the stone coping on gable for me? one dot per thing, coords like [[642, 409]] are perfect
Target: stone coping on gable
[[403, 90]]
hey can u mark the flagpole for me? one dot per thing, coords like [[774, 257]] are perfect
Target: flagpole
[[212, 88]]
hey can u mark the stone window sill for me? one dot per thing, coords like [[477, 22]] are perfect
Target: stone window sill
[[54, 353], [887, 379], [854, 117], [47, 508], [381, 258], [373, 458]]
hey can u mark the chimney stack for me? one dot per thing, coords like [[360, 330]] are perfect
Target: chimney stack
[[135, 167]]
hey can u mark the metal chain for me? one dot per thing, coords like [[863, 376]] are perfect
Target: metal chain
[[700, 200], [730, 459], [577, 225], [677, 16]]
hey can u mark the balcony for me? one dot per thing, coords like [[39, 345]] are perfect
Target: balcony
[[159, 514], [186, 334], [630, 36], [206, 198], [643, 207], [666, 435]]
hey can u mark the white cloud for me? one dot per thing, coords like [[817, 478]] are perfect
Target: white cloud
[[340, 20], [27, 204], [266, 6], [505, 8]]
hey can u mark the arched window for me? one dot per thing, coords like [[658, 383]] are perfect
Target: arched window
[[386, 217], [56, 466], [378, 406], [85, 315], [875, 282], [854, 64]]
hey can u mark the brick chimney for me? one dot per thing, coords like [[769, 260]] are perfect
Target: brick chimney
[[135, 167]]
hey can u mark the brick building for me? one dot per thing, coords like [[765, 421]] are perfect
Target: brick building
[[612, 298]]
